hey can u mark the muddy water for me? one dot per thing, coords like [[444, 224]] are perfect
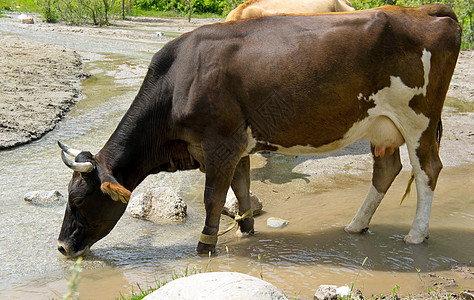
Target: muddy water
[[312, 250]]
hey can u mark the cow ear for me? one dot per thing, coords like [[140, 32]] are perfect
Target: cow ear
[[116, 191]]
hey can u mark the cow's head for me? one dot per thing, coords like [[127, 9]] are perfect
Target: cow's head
[[96, 202]]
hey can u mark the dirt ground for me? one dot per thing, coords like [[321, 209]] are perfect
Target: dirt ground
[[39, 83]]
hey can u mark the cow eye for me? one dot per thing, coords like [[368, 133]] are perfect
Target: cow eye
[[76, 202]]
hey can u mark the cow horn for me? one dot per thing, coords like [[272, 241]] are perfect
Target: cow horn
[[70, 151], [83, 167]]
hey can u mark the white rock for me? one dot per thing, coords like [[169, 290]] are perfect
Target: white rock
[[332, 292], [343, 291], [24, 19], [326, 292], [217, 285], [276, 222], [44, 197], [231, 206], [158, 205]]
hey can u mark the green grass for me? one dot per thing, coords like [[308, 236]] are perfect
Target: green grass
[[142, 293], [171, 14], [19, 5], [73, 282]]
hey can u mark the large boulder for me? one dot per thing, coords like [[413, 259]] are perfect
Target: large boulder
[[231, 206], [217, 285], [43, 198], [158, 205]]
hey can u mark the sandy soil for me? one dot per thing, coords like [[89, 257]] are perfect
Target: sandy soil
[[38, 84]]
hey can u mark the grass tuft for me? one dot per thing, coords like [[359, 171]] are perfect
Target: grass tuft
[[74, 281]]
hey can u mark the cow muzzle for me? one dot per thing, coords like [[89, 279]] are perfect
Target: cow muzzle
[[68, 251]]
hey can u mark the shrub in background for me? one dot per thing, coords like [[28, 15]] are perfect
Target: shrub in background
[[76, 12], [464, 10]]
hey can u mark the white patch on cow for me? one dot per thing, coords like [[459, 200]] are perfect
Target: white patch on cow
[[363, 216], [251, 142], [391, 102], [419, 227]]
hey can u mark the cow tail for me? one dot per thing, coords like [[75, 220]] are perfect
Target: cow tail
[[408, 189], [439, 133]]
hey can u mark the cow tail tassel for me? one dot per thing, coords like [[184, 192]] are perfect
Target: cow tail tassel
[[408, 190]]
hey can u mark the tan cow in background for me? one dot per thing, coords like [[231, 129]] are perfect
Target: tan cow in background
[[262, 8]]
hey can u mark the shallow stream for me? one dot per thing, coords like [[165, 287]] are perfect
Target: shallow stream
[[311, 250]]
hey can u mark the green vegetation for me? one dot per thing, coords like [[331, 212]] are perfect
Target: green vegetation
[[19, 5], [74, 281], [101, 12], [142, 293], [464, 10]]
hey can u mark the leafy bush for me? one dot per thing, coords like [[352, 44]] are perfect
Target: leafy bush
[[77, 12], [219, 7], [464, 10], [48, 10]]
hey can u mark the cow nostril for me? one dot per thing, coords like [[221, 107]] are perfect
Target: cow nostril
[[62, 250]]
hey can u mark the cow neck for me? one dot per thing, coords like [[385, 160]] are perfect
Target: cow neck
[[138, 145]]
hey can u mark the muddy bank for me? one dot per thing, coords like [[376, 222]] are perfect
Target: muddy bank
[[38, 84]]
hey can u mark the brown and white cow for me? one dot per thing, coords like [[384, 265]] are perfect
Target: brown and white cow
[[262, 8], [293, 84]]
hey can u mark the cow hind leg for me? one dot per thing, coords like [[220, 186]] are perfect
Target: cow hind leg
[[385, 169], [241, 186], [426, 168]]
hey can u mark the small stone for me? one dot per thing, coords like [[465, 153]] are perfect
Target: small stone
[[467, 295], [276, 222], [43, 198], [326, 292]]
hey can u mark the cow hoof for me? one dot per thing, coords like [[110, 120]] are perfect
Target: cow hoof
[[205, 249], [246, 226], [414, 240], [353, 229]]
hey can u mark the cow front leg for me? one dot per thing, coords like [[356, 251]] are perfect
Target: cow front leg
[[220, 164], [385, 169], [241, 187]]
